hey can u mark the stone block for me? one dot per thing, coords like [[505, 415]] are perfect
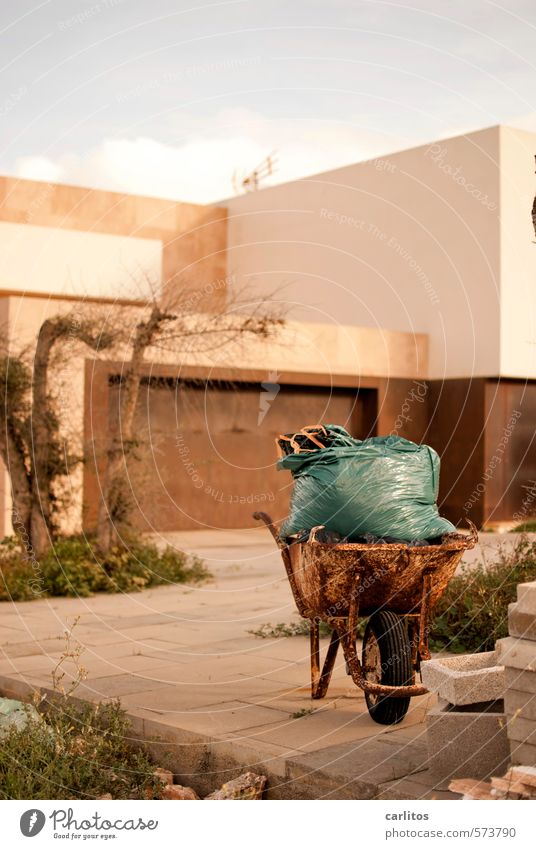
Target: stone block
[[526, 597], [518, 679], [517, 654], [521, 729], [463, 743], [521, 624], [465, 679], [522, 753], [517, 703]]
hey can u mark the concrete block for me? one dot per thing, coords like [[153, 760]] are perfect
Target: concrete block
[[465, 679], [516, 654], [520, 729], [517, 703], [463, 743], [522, 753], [521, 624], [526, 597], [518, 679]]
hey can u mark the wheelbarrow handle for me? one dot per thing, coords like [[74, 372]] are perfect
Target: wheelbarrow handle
[[272, 527]]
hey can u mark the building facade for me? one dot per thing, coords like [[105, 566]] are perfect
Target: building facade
[[409, 289]]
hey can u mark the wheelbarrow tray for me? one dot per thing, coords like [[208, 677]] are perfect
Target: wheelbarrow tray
[[390, 575]]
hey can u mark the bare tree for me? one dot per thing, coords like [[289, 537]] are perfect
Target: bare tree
[[174, 325], [30, 441]]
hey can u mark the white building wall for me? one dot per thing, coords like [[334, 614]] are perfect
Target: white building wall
[[518, 254], [74, 262], [409, 242]]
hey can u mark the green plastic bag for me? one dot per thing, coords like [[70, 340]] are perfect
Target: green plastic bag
[[385, 486]]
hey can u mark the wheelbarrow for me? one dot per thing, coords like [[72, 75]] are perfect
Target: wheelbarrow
[[395, 585]]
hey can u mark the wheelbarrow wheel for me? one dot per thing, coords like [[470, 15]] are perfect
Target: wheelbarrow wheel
[[387, 660]]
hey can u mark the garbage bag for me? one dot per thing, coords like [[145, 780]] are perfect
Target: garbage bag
[[384, 486]]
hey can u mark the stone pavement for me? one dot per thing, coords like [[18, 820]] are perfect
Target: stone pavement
[[212, 697]]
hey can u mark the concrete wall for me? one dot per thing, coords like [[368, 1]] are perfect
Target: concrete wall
[[407, 243], [518, 254], [59, 261], [193, 237]]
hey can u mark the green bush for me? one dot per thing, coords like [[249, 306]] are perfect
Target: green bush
[[528, 527], [75, 753], [73, 567], [473, 612]]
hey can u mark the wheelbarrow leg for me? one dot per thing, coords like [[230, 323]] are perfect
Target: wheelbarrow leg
[[424, 617], [320, 680]]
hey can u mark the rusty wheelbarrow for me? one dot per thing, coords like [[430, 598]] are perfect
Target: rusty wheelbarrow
[[394, 584]]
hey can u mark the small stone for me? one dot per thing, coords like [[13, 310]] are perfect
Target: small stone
[[525, 774], [165, 775], [246, 786], [177, 791], [105, 796]]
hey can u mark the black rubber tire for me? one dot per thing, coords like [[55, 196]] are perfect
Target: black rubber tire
[[391, 636]]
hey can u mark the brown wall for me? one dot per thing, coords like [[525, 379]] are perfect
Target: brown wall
[[193, 236], [403, 408], [456, 431], [208, 460], [510, 458]]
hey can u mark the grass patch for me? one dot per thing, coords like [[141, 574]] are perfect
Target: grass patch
[[75, 753], [288, 629], [473, 612], [297, 629], [73, 567], [302, 712], [70, 750]]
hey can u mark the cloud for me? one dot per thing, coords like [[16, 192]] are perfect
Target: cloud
[[200, 167]]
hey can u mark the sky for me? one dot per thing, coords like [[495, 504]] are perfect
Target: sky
[[182, 99]]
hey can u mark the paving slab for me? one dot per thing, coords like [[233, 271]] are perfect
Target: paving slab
[[516, 653], [522, 753], [517, 703], [520, 623], [526, 597], [520, 679], [521, 729]]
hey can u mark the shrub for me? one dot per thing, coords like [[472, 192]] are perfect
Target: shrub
[[75, 753], [527, 527], [73, 567], [292, 629], [473, 612]]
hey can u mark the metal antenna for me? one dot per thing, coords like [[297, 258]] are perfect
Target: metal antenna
[[251, 182]]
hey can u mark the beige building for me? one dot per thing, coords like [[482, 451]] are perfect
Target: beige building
[[408, 285]]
